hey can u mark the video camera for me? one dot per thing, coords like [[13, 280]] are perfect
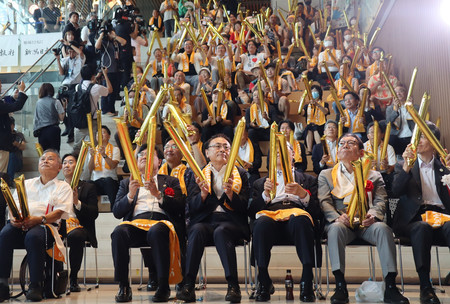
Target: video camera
[[127, 14]]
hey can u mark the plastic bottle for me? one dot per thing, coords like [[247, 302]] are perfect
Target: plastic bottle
[[289, 284]]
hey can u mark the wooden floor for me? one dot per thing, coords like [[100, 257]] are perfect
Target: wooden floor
[[215, 293]]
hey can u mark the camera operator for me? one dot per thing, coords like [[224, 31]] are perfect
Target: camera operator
[[88, 33], [141, 38], [73, 26], [126, 29], [70, 66], [108, 44]]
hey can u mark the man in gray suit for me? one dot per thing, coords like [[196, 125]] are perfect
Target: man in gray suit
[[335, 191]]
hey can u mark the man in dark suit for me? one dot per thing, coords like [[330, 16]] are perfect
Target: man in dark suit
[[38, 16], [336, 187], [6, 136], [295, 227], [81, 222], [321, 161], [159, 199], [421, 189], [218, 215]]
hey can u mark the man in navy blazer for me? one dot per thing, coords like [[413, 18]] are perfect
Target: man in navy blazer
[[297, 230], [218, 216], [159, 199], [421, 189]]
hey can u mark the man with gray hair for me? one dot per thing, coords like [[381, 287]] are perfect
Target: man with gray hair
[[49, 201]]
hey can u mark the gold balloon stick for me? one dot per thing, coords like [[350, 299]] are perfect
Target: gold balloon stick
[[151, 144], [337, 101], [206, 35], [10, 201], [426, 130], [284, 159], [234, 149], [99, 128], [124, 137], [387, 135], [264, 75], [273, 158], [39, 149], [184, 150], [323, 140], [22, 195], [374, 37], [355, 58], [251, 28], [127, 104], [282, 17], [388, 83], [376, 129], [279, 50], [346, 18], [411, 84], [307, 86], [261, 97], [302, 102], [333, 58], [340, 129], [208, 107], [330, 77], [305, 51], [153, 110], [423, 110], [216, 31], [179, 120], [438, 122], [80, 164], [91, 130], [288, 55], [183, 36]]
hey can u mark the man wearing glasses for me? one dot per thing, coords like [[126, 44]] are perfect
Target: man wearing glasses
[[336, 186], [147, 210], [218, 216]]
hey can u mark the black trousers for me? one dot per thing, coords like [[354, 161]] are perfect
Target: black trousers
[[127, 236], [109, 101], [50, 137], [220, 232], [35, 241], [297, 230], [422, 237], [259, 134], [76, 240], [169, 27], [108, 186], [399, 144]]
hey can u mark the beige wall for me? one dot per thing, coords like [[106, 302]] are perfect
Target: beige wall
[[416, 35]]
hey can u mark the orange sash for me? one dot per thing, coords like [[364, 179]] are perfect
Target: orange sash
[[435, 219], [283, 215], [175, 275], [185, 61], [315, 115], [177, 172], [98, 158]]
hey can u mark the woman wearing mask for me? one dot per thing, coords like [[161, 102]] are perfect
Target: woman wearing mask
[[49, 112], [316, 116]]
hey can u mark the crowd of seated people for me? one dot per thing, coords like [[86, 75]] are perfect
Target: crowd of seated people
[[213, 71]]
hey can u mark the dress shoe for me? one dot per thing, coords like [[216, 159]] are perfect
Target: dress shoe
[[34, 293], [263, 293], [233, 293], [74, 287], [124, 294], [306, 292], [162, 294], [70, 140], [393, 295], [186, 293], [427, 296], [4, 292], [152, 285], [340, 294]]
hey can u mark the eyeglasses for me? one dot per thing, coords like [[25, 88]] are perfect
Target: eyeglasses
[[350, 143], [226, 147], [173, 147], [142, 154]]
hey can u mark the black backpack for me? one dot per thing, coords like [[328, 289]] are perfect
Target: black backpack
[[80, 106]]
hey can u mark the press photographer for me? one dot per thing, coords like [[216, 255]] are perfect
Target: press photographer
[[108, 44], [70, 66]]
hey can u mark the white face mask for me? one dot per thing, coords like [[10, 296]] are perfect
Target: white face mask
[[327, 43], [347, 37], [318, 41]]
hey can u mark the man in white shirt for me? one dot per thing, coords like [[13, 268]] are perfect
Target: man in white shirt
[[299, 202], [88, 76], [103, 163], [143, 208], [70, 66], [189, 62], [422, 189], [49, 201]]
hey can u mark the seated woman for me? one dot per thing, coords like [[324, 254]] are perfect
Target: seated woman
[[316, 116], [258, 122]]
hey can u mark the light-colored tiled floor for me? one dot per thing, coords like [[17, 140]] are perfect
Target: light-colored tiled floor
[[215, 293]]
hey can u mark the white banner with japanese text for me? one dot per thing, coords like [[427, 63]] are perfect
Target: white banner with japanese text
[[9, 51], [33, 46]]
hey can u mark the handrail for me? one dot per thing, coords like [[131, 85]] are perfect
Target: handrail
[[40, 73], [23, 74]]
